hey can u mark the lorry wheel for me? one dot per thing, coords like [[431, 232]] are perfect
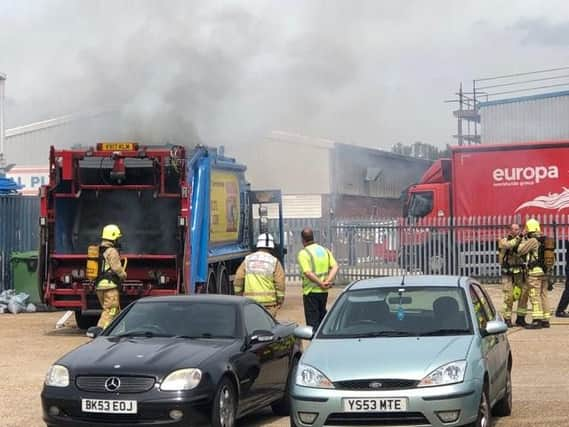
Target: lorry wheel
[[211, 282], [84, 321], [223, 284]]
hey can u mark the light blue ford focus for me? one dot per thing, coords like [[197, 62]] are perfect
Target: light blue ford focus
[[405, 351]]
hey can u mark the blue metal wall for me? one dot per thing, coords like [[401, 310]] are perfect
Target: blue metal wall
[[19, 231]]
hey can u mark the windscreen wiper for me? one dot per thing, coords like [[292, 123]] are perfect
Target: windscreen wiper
[[146, 334], [206, 336], [448, 331], [385, 334]]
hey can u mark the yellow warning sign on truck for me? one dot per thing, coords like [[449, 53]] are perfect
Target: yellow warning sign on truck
[[225, 205]]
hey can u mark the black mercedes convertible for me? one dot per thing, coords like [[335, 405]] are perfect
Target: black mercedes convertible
[[175, 361]]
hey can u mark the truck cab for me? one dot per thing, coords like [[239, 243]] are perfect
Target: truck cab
[[430, 198]]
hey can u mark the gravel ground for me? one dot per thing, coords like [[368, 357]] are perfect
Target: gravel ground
[[29, 344]]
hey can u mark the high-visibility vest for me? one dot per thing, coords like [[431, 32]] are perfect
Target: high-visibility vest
[[259, 278], [320, 262]]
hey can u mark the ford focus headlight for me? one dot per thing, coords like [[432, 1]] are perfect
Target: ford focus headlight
[[451, 373], [307, 376], [182, 379], [57, 376]]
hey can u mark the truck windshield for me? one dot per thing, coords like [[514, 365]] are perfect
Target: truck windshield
[[420, 204]]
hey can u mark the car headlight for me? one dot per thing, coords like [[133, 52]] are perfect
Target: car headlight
[[451, 373], [308, 376], [57, 376], [182, 379]]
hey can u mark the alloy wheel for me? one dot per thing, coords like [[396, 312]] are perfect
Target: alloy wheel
[[484, 411], [226, 408]]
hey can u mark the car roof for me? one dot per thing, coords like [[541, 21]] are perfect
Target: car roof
[[411, 281], [206, 298]]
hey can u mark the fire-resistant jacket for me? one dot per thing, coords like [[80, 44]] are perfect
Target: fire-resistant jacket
[[261, 277], [529, 248], [112, 262], [511, 261], [317, 259]]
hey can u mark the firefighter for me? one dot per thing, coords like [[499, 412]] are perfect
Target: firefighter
[[529, 248], [318, 269], [511, 264], [111, 275], [564, 300], [261, 276]]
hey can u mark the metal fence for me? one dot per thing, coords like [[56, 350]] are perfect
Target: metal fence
[[393, 246], [18, 231]]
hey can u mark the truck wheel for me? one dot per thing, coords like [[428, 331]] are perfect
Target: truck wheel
[[211, 284], [223, 284], [84, 321]]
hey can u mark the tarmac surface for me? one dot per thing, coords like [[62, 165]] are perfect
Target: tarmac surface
[[29, 344]]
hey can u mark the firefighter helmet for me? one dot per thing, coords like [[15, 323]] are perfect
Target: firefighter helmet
[[111, 232], [532, 226], [266, 240]]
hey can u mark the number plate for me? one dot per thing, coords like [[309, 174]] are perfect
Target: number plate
[[109, 406], [116, 146], [375, 405]]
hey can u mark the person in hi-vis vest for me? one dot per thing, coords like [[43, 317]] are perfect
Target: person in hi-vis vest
[[261, 276], [318, 269]]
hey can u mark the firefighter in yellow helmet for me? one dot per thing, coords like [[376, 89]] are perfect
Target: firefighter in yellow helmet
[[111, 274], [537, 285], [261, 276]]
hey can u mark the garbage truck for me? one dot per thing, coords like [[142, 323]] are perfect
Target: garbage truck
[[186, 214]]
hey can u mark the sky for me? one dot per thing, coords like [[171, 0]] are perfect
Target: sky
[[371, 73]]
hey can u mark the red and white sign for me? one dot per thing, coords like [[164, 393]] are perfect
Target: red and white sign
[[30, 177], [527, 180]]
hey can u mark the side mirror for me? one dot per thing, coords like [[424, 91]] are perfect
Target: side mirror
[[304, 332], [494, 327], [261, 336], [94, 331]]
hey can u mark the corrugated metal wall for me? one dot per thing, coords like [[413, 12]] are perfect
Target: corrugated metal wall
[[532, 118], [361, 171], [19, 229]]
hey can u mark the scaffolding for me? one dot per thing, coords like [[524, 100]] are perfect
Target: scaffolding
[[495, 88]]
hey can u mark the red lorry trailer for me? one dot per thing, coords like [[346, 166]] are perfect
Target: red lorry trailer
[[510, 181]]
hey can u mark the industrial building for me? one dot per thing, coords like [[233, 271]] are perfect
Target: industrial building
[[320, 177], [527, 118]]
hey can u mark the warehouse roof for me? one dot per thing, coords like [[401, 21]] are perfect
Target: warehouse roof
[[524, 98]]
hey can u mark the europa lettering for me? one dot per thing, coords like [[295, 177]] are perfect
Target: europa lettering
[[531, 173]]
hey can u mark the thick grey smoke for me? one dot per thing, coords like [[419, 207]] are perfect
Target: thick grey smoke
[[228, 72]]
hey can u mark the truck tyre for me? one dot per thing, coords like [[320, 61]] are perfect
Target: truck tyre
[[211, 285], [223, 284], [85, 321]]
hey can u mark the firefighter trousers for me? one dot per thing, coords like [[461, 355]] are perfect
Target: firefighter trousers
[[109, 300], [509, 281], [522, 309], [544, 299], [535, 285]]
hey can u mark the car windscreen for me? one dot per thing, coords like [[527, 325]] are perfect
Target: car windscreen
[[398, 311], [182, 319]]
